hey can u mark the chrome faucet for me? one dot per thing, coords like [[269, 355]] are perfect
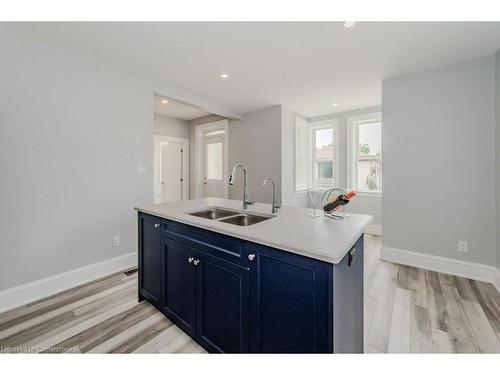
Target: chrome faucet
[[246, 201], [275, 206]]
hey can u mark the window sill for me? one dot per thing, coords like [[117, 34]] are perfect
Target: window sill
[[303, 191], [369, 194]]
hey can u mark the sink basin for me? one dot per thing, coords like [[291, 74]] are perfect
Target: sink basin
[[214, 213], [224, 215], [245, 220]]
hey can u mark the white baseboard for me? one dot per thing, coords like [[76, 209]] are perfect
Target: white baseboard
[[26, 293], [496, 279], [474, 271], [376, 230]]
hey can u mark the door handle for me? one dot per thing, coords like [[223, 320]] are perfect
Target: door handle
[[196, 262], [251, 257], [190, 259]]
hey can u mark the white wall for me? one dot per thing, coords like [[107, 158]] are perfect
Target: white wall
[[170, 126], [438, 177], [72, 134], [255, 141], [368, 205], [497, 148]]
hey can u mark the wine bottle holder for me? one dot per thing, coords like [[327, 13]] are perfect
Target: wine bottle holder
[[334, 214]]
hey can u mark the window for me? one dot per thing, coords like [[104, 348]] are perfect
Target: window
[[214, 161], [365, 153], [323, 151], [316, 154]]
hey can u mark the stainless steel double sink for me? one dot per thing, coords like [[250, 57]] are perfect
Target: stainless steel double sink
[[225, 215]]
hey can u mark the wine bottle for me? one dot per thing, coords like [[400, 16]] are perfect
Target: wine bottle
[[338, 201]]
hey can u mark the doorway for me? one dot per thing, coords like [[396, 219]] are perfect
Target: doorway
[[171, 169], [211, 159]]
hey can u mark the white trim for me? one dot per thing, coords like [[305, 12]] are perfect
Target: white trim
[[374, 229], [474, 271], [35, 290], [300, 122], [168, 138], [352, 135], [198, 161], [157, 138], [368, 194], [496, 279], [188, 97]]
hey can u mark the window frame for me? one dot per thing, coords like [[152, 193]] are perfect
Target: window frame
[[353, 123], [320, 125], [305, 124]]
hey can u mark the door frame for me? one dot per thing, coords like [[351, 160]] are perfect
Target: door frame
[[198, 168], [157, 140]]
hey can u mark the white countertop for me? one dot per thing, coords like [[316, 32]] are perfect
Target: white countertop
[[291, 230]]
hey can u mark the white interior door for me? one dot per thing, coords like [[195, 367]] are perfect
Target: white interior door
[[171, 172], [214, 183]]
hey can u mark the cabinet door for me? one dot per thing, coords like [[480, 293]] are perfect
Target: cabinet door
[[149, 258], [222, 305], [290, 303], [178, 290]]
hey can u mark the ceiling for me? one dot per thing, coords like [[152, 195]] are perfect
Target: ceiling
[[304, 66], [177, 109]]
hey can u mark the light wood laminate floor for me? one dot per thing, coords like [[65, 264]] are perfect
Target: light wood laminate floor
[[410, 310], [406, 310]]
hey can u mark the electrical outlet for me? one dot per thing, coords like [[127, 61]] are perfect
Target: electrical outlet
[[116, 241], [142, 169], [463, 246]]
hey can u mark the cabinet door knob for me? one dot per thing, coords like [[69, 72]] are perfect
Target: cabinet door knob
[[190, 259], [251, 256], [196, 262], [157, 225]]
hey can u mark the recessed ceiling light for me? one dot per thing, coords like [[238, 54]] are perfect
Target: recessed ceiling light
[[335, 104], [224, 76], [349, 24], [164, 101]]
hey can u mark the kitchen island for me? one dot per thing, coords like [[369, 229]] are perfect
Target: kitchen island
[[248, 281]]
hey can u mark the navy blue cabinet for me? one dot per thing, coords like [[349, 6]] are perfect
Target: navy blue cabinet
[[178, 284], [206, 296], [235, 296], [289, 303], [149, 258], [222, 305]]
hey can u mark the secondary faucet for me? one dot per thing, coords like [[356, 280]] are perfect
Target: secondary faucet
[[275, 206], [246, 201]]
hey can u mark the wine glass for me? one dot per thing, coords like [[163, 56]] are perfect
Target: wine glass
[[314, 197]]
